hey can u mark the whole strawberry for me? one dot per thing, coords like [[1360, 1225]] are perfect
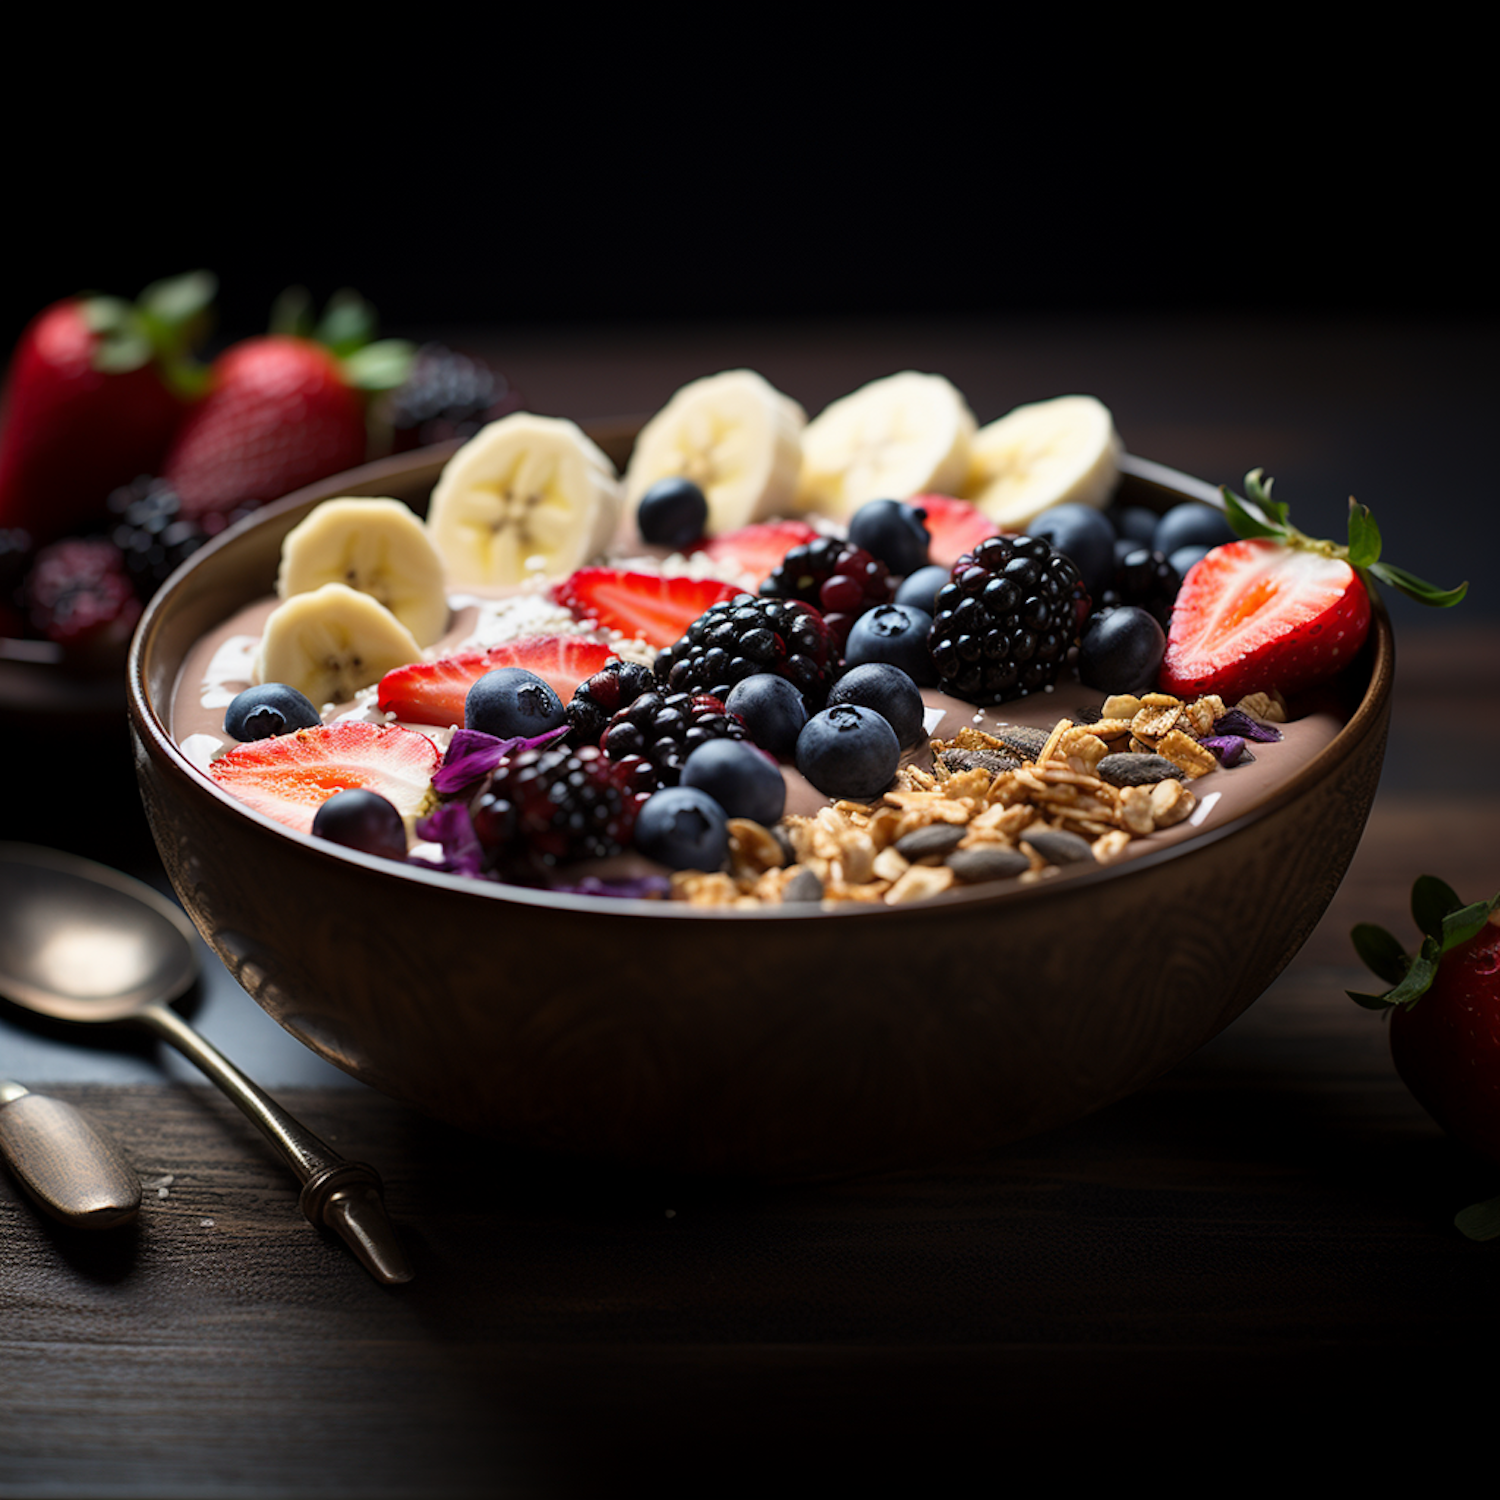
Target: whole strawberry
[[97, 387], [1444, 1005], [1278, 610], [283, 409]]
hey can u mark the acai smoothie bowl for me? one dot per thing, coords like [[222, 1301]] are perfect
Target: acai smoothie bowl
[[737, 792]]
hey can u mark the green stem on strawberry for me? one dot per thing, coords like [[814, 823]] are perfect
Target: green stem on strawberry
[[1444, 922], [163, 325], [1268, 519], [347, 330]]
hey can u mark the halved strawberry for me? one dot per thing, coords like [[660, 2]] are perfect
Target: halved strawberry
[[1279, 609], [1258, 615], [433, 692], [757, 550], [955, 526], [651, 606], [290, 776]]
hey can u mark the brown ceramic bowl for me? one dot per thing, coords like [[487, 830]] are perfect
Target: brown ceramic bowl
[[782, 1042]]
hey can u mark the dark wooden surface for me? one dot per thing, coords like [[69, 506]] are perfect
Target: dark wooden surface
[[1252, 1259]]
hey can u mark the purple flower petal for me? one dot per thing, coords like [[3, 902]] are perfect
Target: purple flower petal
[[451, 828], [472, 755], [1230, 748], [1236, 722]]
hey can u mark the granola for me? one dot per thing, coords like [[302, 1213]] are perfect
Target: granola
[[984, 810]]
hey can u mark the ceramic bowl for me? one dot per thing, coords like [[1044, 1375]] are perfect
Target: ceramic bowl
[[781, 1042]]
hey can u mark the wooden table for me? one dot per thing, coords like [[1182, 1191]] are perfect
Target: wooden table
[[1252, 1260]]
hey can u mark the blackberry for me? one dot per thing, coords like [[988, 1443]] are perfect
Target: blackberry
[[597, 699], [79, 595], [839, 579], [447, 395], [1006, 619], [553, 806], [151, 533], [739, 637], [665, 728]]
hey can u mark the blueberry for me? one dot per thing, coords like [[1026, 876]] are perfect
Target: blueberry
[[892, 532], [1084, 536], [364, 820], [672, 513], [773, 711], [683, 828], [894, 633], [890, 692], [744, 781], [1183, 558], [1191, 524], [848, 751], [1121, 651], [512, 703], [1132, 523], [267, 709], [920, 588]]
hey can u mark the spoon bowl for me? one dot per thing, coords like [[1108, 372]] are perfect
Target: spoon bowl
[[81, 942]]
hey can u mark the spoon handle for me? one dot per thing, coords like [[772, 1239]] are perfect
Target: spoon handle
[[341, 1195], [76, 1174]]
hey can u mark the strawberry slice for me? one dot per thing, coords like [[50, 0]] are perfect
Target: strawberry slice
[[290, 776], [757, 550], [655, 608], [1257, 615], [433, 692], [1279, 609], [956, 526]]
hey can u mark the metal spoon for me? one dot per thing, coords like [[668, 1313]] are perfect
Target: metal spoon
[[82, 942]]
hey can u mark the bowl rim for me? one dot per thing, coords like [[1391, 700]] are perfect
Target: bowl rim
[[152, 731]]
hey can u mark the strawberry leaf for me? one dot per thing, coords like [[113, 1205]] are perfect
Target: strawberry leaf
[[1419, 976], [1262, 517], [121, 341], [1459, 926], [292, 313], [1431, 900], [163, 324], [1260, 495], [1418, 588], [1364, 536], [1370, 1002], [1445, 924], [346, 330], [348, 323], [381, 366], [1245, 523], [1380, 952], [179, 300], [1414, 984]]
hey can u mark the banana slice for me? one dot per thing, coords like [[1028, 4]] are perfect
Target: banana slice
[[735, 436], [526, 495], [376, 546], [331, 642], [904, 435], [1040, 455]]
